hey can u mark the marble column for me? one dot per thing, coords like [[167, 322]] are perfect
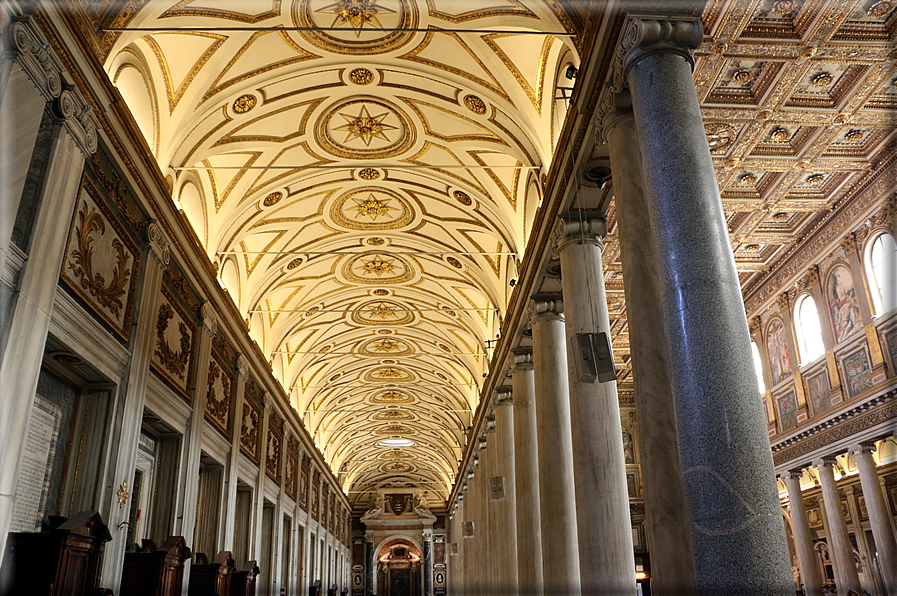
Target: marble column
[[36, 292], [526, 477], [672, 570], [125, 435], [803, 540], [557, 503], [879, 516], [606, 559], [738, 536], [228, 525], [369, 564], [504, 519], [839, 545], [480, 570], [427, 557]]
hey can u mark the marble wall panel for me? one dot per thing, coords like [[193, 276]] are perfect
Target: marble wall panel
[[175, 344], [220, 393]]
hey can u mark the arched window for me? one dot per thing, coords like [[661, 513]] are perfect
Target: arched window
[[758, 368], [881, 270], [809, 333]]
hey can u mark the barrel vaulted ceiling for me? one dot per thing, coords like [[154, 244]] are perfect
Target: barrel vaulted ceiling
[[364, 193]]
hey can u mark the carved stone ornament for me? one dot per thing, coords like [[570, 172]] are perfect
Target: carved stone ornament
[[209, 318], [159, 246], [175, 342], [249, 431], [272, 456], [289, 474], [101, 260], [574, 231], [79, 121], [34, 56], [219, 395]]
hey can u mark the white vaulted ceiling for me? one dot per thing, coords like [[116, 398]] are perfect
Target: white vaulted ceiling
[[365, 194]]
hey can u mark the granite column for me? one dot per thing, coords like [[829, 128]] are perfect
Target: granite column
[[803, 540], [369, 564], [427, 557], [879, 516], [557, 501], [738, 537], [526, 477], [840, 547], [504, 519]]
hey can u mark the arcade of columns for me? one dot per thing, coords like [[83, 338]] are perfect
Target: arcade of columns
[[553, 444]]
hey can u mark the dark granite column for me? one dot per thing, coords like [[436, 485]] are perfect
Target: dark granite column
[[667, 522], [368, 564], [738, 536], [427, 556]]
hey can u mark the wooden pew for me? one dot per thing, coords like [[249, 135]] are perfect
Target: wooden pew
[[62, 560], [242, 582], [212, 578], [156, 572]]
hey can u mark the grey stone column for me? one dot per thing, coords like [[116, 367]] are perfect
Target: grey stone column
[[839, 544], [667, 521], [369, 564], [503, 529], [879, 516], [557, 503], [36, 292], [803, 540], [125, 437], [738, 536], [526, 477], [480, 571], [427, 556], [606, 559], [226, 536]]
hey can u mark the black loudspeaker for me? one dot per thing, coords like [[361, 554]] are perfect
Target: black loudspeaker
[[593, 358], [497, 487], [467, 528]]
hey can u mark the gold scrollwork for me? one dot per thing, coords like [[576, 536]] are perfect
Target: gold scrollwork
[[109, 296], [175, 361]]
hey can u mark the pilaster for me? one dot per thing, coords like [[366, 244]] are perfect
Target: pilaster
[[228, 523]]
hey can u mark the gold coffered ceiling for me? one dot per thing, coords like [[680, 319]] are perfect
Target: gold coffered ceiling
[[365, 193]]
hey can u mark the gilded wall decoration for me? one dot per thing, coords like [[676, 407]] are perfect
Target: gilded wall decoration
[[363, 127], [370, 25], [244, 103], [315, 488], [371, 208], [787, 410], [219, 397], [628, 446], [175, 343], [250, 429], [289, 473], [777, 348], [857, 372], [303, 482], [819, 392], [844, 308], [102, 261], [273, 454], [891, 341]]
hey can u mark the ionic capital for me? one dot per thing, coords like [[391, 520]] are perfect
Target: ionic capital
[[791, 475], [159, 246], [490, 427], [571, 232], [37, 60], [825, 462], [861, 448], [615, 107], [504, 398], [522, 361], [644, 36], [268, 401], [242, 367], [209, 318], [546, 310]]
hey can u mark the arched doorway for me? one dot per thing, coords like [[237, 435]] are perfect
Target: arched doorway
[[399, 568]]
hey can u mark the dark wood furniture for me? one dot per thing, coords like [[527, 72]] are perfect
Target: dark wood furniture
[[62, 560], [156, 571], [212, 578], [242, 582]]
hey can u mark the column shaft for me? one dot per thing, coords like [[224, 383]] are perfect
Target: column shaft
[[738, 537], [228, 526], [879, 516], [506, 520], [803, 540], [369, 565], [606, 558], [839, 544], [557, 504], [672, 570], [428, 562], [526, 478]]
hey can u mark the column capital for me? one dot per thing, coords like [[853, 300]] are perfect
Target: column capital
[[490, 426], [79, 120], [615, 106], [158, 243], [825, 462], [504, 397], [859, 448], [644, 36], [570, 232], [34, 56], [791, 475], [369, 537], [546, 310], [427, 534], [242, 367], [209, 318], [522, 361], [268, 401]]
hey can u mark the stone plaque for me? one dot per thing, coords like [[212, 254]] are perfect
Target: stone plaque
[[35, 468]]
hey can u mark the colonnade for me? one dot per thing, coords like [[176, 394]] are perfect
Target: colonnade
[[714, 516], [840, 547]]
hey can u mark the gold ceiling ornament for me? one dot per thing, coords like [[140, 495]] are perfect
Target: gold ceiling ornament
[[387, 361], [272, 199], [312, 311], [377, 265], [381, 292], [719, 135], [447, 310], [397, 467], [475, 104], [376, 241], [780, 217], [780, 134], [379, 25], [294, 263], [396, 455], [854, 135], [880, 9], [361, 76], [743, 76], [360, 127], [389, 372], [355, 13], [752, 248], [815, 180], [394, 429], [782, 7], [365, 127], [823, 79], [454, 262], [463, 198], [372, 207], [368, 174], [748, 179], [374, 268], [385, 332], [123, 494], [380, 313], [244, 103], [335, 377]]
